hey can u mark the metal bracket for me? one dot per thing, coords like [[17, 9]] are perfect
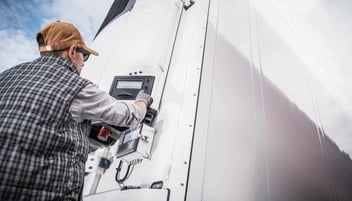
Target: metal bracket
[[187, 6]]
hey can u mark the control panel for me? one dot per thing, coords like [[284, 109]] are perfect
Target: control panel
[[134, 142], [127, 87]]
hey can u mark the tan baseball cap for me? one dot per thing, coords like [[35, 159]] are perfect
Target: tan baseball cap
[[59, 36]]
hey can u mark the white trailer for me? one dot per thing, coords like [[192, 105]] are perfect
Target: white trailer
[[239, 114]]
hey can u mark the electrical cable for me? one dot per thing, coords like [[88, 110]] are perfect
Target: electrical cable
[[130, 172], [118, 172]]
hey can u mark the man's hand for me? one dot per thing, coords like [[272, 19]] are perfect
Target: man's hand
[[146, 98]]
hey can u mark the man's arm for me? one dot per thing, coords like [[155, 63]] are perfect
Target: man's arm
[[94, 103]]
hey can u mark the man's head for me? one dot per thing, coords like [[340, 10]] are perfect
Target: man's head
[[65, 40]]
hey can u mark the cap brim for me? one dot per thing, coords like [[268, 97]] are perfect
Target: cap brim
[[91, 51]]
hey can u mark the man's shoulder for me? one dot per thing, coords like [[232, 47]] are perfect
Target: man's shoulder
[[16, 67]]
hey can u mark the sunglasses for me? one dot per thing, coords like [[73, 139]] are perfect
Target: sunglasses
[[85, 53]]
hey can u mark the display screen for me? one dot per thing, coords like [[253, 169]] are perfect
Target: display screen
[[130, 136], [129, 84]]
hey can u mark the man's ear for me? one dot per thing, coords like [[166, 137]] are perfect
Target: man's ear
[[72, 52]]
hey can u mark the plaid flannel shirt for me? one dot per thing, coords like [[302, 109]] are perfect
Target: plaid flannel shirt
[[43, 150]]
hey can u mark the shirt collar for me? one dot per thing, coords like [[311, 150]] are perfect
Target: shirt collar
[[59, 61]]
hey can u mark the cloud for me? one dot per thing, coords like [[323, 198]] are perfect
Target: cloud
[[16, 48], [18, 43], [87, 15]]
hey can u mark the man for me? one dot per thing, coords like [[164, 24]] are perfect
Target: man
[[45, 108]]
